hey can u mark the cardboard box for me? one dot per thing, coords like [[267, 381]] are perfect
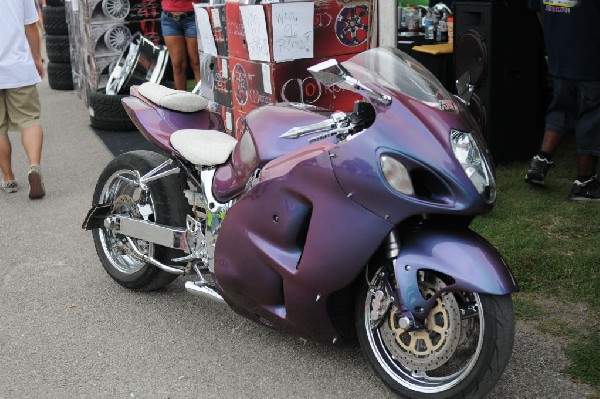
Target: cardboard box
[[215, 79], [272, 32], [213, 40], [254, 84], [239, 123], [341, 27], [226, 115]]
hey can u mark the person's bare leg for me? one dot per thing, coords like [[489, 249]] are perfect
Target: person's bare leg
[[551, 141], [194, 56], [178, 54], [32, 138], [586, 165], [5, 158]]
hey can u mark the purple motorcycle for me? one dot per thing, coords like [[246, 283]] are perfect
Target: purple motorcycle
[[334, 226]]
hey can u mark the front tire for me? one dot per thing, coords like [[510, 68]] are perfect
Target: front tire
[[162, 203], [455, 356]]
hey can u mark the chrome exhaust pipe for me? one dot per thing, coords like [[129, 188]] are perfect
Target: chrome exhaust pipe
[[133, 251], [204, 291]]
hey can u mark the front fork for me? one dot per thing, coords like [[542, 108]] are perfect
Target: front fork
[[405, 296]]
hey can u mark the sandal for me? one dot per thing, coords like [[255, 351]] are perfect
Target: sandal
[[10, 186]]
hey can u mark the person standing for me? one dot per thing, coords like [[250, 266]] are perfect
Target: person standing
[[179, 32], [21, 68], [572, 37]]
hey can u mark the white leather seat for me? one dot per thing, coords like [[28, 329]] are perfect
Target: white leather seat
[[176, 100], [203, 147]]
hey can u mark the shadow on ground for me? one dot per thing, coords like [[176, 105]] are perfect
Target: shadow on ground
[[121, 142]]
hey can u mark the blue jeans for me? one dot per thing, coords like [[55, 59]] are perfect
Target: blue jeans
[[178, 25]]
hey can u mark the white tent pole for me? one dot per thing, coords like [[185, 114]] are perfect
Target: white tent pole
[[387, 20]]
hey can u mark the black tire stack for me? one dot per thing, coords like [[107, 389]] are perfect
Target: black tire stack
[[60, 74]]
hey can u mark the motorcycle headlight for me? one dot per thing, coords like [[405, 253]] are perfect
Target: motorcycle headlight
[[469, 154], [396, 175]]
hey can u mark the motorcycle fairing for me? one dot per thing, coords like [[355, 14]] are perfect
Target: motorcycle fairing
[[470, 260], [423, 133], [292, 241]]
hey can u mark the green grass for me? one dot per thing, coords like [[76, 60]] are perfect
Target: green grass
[[553, 247]]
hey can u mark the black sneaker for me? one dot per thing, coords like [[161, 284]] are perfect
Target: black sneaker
[[537, 171], [587, 191]]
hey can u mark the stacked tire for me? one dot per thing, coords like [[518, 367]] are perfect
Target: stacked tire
[[107, 112], [60, 74]]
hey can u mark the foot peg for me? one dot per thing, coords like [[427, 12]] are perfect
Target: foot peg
[[202, 289]]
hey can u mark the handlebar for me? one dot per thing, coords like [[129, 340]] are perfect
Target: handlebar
[[338, 121]]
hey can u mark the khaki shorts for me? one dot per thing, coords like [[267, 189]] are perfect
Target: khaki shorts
[[19, 108]]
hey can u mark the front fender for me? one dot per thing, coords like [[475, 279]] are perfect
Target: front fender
[[469, 259]]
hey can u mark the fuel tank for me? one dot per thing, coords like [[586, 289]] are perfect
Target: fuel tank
[[260, 143]]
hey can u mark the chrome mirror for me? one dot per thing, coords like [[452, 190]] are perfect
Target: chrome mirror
[[329, 72]]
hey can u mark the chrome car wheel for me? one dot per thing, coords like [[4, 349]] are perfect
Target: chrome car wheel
[[451, 355]]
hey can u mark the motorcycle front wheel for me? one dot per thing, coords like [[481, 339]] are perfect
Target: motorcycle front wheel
[[163, 202], [462, 352]]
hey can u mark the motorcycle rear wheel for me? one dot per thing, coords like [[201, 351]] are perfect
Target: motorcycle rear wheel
[[454, 357], [162, 203]]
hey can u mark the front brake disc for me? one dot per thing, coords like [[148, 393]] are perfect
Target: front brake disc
[[433, 346]]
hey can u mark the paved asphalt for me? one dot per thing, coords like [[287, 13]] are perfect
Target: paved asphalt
[[68, 331]]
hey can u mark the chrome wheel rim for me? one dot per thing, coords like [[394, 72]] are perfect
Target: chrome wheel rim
[[420, 374], [122, 71], [117, 38], [116, 9], [120, 190]]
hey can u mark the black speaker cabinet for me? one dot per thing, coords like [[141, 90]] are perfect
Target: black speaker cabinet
[[500, 43]]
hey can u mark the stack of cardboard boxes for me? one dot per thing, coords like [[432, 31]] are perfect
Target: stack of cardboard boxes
[[257, 54]]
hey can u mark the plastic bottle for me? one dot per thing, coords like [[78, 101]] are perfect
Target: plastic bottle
[[407, 13], [450, 29], [402, 13], [441, 32], [412, 19], [429, 27], [401, 17]]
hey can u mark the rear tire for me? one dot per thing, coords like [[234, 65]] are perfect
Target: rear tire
[[465, 360], [167, 204]]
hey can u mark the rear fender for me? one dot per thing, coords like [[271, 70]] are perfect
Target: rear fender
[[469, 259], [157, 124]]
